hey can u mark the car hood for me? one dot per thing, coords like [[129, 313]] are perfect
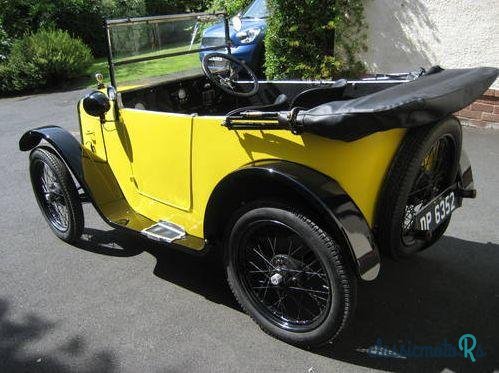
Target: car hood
[[218, 29]]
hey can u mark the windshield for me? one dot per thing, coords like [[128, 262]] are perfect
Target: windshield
[[257, 9], [143, 49]]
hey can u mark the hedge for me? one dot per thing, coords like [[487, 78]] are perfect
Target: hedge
[[314, 39]]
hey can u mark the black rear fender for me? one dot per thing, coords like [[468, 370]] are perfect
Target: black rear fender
[[302, 186]]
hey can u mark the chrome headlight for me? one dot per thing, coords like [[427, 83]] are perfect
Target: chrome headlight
[[249, 35]]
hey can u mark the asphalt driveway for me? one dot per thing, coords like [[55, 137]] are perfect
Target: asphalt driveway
[[113, 303]]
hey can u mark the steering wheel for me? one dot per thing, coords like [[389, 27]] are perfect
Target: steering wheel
[[224, 70]]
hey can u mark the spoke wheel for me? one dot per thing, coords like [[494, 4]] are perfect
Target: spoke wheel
[[56, 194], [52, 198], [289, 275], [434, 176], [425, 165], [283, 276]]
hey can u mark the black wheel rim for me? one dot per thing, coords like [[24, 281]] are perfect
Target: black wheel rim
[[285, 280], [50, 196], [433, 177]]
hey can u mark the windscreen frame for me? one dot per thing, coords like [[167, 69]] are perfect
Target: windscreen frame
[[110, 23]]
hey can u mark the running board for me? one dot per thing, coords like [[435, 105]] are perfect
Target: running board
[[164, 231]]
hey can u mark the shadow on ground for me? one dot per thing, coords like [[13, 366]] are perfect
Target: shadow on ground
[[201, 274], [443, 293], [450, 290], [18, 337]]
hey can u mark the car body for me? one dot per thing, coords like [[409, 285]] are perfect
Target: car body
[[247, 40], [295, 181]]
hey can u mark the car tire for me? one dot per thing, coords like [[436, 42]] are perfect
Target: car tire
[[316, 276], [397, 195], [56, 194]]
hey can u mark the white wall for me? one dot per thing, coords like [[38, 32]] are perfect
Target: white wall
[[406, 34]]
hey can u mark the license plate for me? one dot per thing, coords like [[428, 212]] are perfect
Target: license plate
[[438, 210]]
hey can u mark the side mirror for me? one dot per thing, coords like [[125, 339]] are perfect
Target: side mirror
[[96, 104]]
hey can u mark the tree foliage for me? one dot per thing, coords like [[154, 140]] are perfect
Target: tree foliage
[[314, 39], [231, 7], [5, 43]]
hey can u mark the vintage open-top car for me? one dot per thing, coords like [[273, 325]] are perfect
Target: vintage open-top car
[[296, 184]]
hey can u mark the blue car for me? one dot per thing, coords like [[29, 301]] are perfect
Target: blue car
[[247, 43]]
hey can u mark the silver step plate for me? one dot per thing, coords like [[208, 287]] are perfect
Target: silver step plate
[[164, 231]]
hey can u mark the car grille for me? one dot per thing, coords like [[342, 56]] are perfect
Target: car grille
[[212, 42]]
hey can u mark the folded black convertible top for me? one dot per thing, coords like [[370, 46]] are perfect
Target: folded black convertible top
[[423, 101]]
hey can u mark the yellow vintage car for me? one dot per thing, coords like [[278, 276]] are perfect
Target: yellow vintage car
[[294, 185]]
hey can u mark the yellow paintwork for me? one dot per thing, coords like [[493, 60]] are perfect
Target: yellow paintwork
[[91, 135], [163, 172], [167, 165]]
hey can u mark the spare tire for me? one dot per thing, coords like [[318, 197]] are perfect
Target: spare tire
[[425, 165]]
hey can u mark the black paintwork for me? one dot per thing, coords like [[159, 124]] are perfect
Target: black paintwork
[[61, 140], [66, 146], [323, 194], [71, 152], [428, 99], [96, 104]]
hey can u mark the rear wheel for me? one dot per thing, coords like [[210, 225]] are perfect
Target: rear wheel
[[425, 165], [56, 195], [289, 276]]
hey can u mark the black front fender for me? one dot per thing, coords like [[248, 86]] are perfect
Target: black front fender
[[62, 141], [322, 193], [95, 178]]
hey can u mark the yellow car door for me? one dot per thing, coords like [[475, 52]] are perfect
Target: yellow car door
[[160, 155]]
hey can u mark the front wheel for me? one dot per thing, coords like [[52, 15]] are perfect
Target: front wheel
[[289, 275], [56, 195]]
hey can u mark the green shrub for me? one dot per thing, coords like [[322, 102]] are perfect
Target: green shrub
[[17, 76], [44, 59], [232, 7], [5, 80], [5, 43], [314, 39]]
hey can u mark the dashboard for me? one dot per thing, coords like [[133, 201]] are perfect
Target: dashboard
[[188, 96]]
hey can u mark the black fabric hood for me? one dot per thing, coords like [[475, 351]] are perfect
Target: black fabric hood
[[423, 101]]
